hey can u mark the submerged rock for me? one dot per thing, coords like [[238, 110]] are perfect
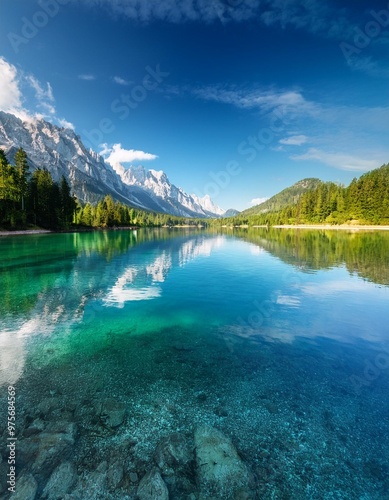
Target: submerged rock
[[61, 481], [43, 452], [48, 405], [26, 487], [152, 487], [133, 477], [173, 454], [220, 470], [113, 413], [115, 475], [36, 427], [94, 484]]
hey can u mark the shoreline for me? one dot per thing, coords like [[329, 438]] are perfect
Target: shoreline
[[348, 227], [23, 232], [344, 227]]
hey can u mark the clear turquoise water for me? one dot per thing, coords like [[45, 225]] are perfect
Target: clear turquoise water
[[278, 338]]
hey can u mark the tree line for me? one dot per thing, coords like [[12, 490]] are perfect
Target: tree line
[[35, 199], [110, 213], [32, 199], [364, 201]]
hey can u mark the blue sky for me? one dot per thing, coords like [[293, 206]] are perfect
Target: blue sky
[[233, 98]]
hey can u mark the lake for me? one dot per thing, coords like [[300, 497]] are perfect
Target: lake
[[241, 364]]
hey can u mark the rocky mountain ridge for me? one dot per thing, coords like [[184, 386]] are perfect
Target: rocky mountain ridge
[[62, 152]]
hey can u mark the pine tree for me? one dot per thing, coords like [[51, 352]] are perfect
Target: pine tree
[[21, 166], [67, 203]]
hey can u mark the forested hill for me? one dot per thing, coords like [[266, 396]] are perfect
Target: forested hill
[[364, 201], [288, 196]]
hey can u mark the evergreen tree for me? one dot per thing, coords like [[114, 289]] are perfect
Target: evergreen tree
[[21, 166], [67, 203], [45, 196]]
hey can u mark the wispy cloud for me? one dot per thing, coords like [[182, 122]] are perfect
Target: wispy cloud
[[258, 201], [120, 81], [320, 18], [116, 155], [368, 65], [183, 11], [43, 94], [16, 85], [87, 77], [315, 16], [321, 124], [65, 124], [264, 100], [342, 161], [294, 140]]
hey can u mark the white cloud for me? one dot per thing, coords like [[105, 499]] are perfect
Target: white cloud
[[120, 81], [294, 140], [183, 11], [118, 155], [15, 86], [44, 96], [319, 18], [314, 16], [324, 125], [288, 101], [341, 161], [87, 77], [368, 65], [258, 201], [65, 124], [10, 94]]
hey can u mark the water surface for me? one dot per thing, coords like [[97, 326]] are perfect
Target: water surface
[[277, 338]]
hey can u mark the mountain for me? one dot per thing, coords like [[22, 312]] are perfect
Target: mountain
[[62, 152], [231, 212], [288, 196], [208, 205], [167, 196]]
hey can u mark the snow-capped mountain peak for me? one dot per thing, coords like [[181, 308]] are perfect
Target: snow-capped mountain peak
[[208, 205], [62, 152], [158, 185]]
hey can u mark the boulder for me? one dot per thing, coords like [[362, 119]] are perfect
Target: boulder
[[36, 427], [152, 487], [114, 475], [26, 487], [44, 451], [173, 454], [221, 472], [113, 413], [61, 481], [93, 483]]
